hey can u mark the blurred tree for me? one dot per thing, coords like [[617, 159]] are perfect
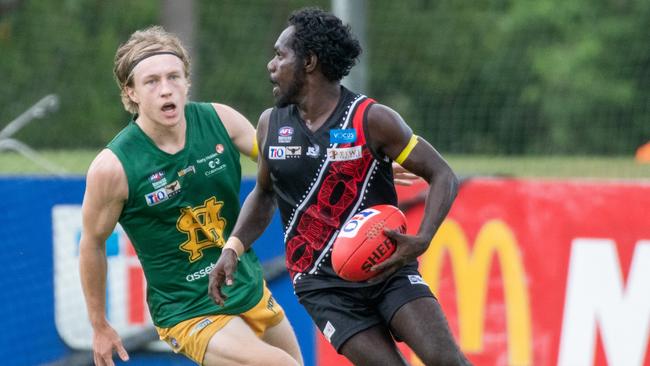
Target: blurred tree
[[236, 41], [8, 5], [67, 48], [488, 77], [526, 76], [588, 74]]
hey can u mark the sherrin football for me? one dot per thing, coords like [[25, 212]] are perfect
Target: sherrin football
[[361, 243]]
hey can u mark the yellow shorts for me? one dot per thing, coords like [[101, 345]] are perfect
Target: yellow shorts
[[191, 337]]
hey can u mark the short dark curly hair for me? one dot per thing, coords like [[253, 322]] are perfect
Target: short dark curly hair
[[324, 35]]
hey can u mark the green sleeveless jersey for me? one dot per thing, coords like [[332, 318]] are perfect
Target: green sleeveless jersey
[[180, 211]]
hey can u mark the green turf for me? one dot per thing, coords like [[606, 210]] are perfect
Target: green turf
[[76, 162], [552, 167]]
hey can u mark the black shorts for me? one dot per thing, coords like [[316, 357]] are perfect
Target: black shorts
[[341, 313]]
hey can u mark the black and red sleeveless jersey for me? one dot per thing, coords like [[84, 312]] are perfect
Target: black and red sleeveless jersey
[[321, 179]]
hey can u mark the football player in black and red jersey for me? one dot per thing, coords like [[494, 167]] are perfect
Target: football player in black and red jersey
[[326, 154]]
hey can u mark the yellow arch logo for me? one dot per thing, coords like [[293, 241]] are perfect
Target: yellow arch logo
[[471, 272]]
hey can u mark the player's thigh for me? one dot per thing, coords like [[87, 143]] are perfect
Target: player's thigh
[[237, 344], [283, 337], [422, 325], [373, 346], [339, 313]]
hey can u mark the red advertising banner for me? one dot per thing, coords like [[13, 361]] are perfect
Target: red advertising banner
[[540, 272]]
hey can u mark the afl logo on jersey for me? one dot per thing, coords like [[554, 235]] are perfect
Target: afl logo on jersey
[[285, 133], [158, 179]]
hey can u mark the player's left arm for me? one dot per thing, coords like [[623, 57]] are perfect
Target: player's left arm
[[391, 136], [255, 215], [240, 129]]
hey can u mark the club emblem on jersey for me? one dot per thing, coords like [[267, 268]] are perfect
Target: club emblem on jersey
[[284, 134], [219, 148], [344, 136], [313, 151], [203, 226]]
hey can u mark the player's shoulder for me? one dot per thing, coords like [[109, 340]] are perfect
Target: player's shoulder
[[106, 168], [206, 110], [381, 112], [235, 123], [229, 115], [383, 117], [222, 108], [265, 117]]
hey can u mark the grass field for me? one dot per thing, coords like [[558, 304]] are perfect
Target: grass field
[[76, 163]]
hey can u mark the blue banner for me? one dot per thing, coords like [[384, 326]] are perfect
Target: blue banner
[[43, 311]]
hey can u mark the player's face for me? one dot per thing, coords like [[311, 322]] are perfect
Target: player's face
[[285, 71], [160, 90]]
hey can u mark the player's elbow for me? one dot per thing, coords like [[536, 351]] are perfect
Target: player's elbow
[[446, 180], [91, 246], [453, 183]]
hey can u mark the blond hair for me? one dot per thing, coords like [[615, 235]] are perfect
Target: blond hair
[[144, 43]]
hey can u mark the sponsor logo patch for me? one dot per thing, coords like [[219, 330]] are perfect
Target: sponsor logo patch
[[416, 280], [343, 136], [173, 188], [156, 197], [215, 170], [294, 151], [185, 171], [270, 305], [202, 324], [328, 331], [277, 152], [200, 273], [344, 153], [206, 158], [213, 163], [163, 194]]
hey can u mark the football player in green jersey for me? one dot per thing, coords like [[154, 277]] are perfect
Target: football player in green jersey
[[171, 179]]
